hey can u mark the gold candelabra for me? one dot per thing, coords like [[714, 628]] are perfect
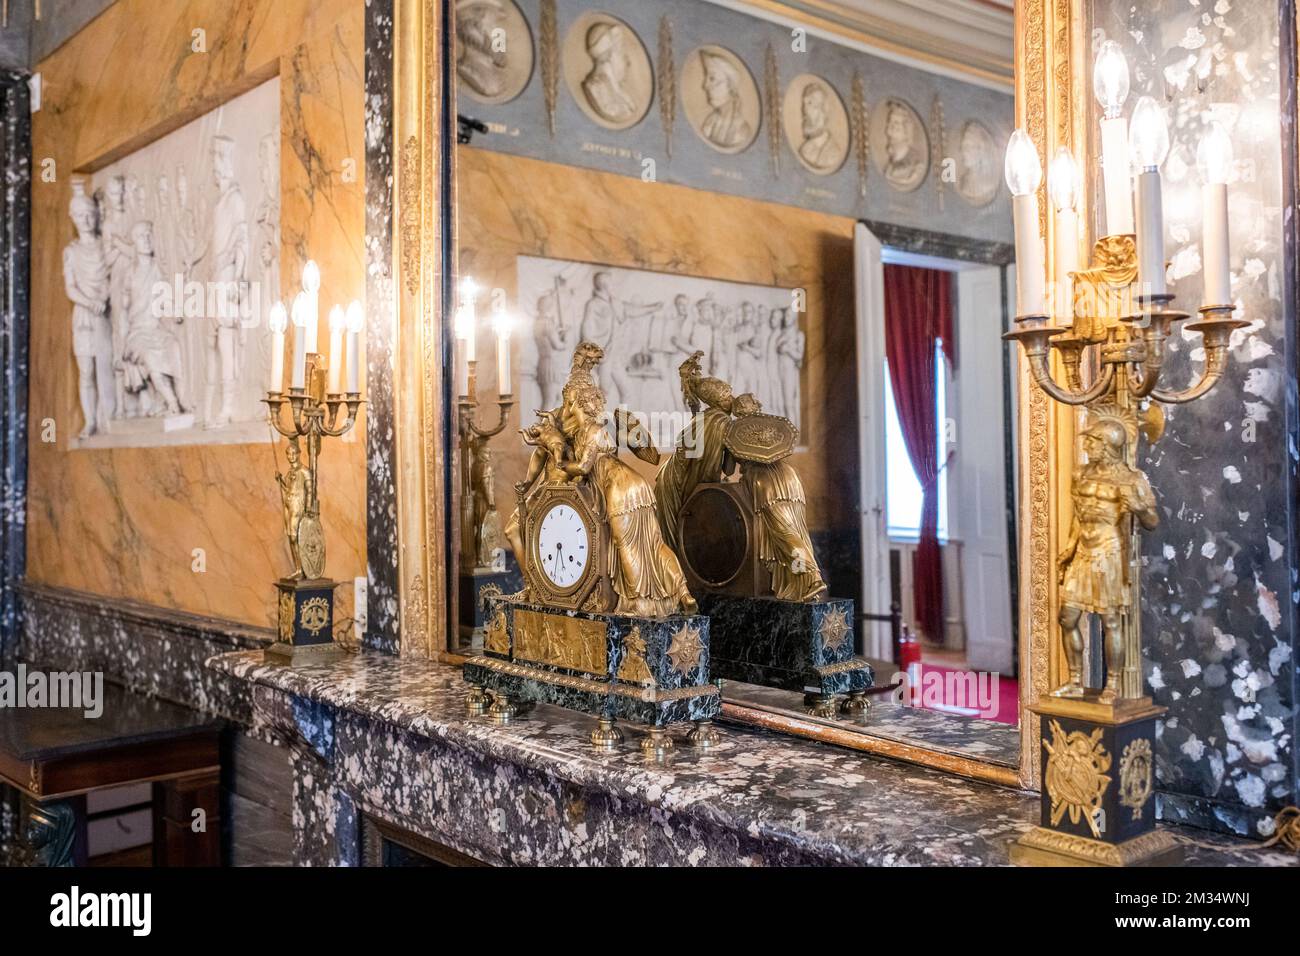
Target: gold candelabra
[[480, 521], [1124, 351]]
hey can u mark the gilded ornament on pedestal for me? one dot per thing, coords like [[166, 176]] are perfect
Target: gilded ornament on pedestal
[[685, 649], [1075, 776], [314, 615], [835, 629], [1136, 773], [634, 670], [495, 637]]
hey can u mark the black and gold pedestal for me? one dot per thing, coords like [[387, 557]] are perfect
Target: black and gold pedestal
[[799, 646], [477, 586], [306, 621], [650, 671], [1098, 787]]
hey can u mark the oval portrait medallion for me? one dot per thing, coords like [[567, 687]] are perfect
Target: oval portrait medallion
[[899, 144], [979, 164], [816, 124], [720, 99], [494, 50], [607, 70]]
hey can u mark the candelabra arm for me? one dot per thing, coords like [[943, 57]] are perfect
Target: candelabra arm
[[1216, 335], [468, 425], [275, 403]]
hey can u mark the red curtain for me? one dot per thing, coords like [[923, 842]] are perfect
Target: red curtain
[[918, 313]]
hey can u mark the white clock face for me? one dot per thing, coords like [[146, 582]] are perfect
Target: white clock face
[[562, 546]]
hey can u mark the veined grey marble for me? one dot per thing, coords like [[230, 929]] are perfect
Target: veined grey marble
[[383, 582], [389, 737], [15, 258], [1219, 628]]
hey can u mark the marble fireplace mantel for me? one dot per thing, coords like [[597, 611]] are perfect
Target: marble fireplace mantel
[[376, 735]]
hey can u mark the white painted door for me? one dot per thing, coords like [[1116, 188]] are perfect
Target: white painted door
[[977, 471], [869, 287]]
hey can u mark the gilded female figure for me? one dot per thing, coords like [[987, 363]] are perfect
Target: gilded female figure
[[1093, 564], [645, 573]]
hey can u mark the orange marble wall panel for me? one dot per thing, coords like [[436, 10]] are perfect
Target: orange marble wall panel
[[125, 522], [511, 206]]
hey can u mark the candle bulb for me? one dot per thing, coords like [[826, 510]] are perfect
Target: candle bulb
[[1063, 188], [463, 348], [299, 377], [503, 324], [356, 320], [1110, 83], [1024, 173], [1149, 134], [311, 285], [278, 322], [1214, 160], [337, 323]]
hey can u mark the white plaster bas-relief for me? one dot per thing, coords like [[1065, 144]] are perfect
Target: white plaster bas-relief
[[648, 323], [171, 278], [494, 50], [816, 124]]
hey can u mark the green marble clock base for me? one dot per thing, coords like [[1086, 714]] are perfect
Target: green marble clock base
[[305, 621], [650, 671]]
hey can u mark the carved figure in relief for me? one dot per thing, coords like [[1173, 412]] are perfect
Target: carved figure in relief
[[481, 64], [151, 354], [1094, 564], [230, 248], [115, 232], [553, 338], [86, 283]]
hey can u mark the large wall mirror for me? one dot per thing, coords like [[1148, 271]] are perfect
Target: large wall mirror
[[825, 222]]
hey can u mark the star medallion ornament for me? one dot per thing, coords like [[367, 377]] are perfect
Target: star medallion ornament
[[835, 629], [685, 649]]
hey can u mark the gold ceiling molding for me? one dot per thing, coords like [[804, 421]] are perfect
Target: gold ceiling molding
[[905, 35]]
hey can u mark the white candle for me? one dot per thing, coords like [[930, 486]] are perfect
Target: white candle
[[1214, 242], [356, 319], [1024, 173], [503, 325], [311, 284], [1030, 257], [299, 378], [1063, 188], [278, 322], [337, 322], [1117, 172], [1215, 161], [462, 352], [1151, 234]]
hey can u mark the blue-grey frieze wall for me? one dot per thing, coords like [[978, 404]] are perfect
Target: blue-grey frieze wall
[[549, 119]]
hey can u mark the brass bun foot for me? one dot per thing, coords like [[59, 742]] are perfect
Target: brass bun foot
[[476, 702], [855, 706], [503, 709], [1044, 847], [826, 706], [606, 736], [656, 742], [704, 735]]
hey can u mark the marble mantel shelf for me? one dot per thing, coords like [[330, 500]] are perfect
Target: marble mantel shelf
[[377, 734]]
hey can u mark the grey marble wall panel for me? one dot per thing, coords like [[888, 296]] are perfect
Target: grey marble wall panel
[[1219, 624]]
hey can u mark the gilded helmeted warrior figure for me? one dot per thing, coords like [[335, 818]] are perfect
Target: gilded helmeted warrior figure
[[1095, 563], [780, 520], [295, 488]]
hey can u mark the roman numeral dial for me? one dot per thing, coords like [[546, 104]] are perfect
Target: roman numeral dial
[[563, 547]]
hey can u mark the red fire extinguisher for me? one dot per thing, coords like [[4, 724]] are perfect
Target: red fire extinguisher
[[909, 659]]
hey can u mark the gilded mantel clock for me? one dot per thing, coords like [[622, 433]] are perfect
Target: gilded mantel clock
[[568, 548]]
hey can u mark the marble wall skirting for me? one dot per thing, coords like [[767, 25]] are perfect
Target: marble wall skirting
[[150, 650]]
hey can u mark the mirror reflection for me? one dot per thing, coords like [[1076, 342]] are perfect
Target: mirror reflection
[[791, 254]]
